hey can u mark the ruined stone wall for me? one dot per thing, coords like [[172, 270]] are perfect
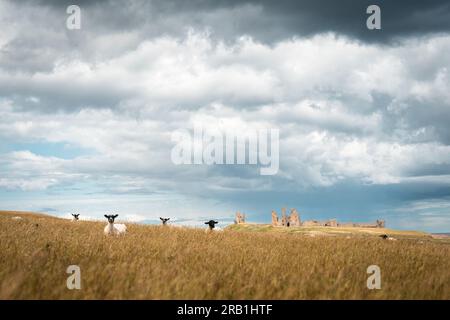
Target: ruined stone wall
[[311, 223], [293, 220], [366, 225], [331, 223], [284, 219], [346, 225], [275, 221], [377, 224], [239, 218]]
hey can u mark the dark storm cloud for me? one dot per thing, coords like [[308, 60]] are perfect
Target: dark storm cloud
[[399, 18], [271, 21], [41, 36]]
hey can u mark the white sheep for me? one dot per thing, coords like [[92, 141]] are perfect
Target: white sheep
[[17, 218], [112, 228], [212, 226], [386, 237]]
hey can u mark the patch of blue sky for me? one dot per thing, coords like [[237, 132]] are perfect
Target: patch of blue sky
[[62, 150]]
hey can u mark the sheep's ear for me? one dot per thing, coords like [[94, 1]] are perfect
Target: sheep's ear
[[115, 216], [161, 218], [216, 221], [106, 216], [168, 219], [206, 222]]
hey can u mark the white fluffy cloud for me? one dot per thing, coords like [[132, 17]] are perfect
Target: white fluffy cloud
[[321, 92], [196, 71]]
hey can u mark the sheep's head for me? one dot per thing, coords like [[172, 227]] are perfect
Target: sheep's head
[[75, 216], [211, 223], [384, 236], [111, 217], [164, 220]]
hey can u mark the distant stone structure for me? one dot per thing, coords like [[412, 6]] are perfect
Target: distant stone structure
[[311, 223], [347, 225], [331, 223], [284, 219], [377, 224], [240, 218], [275, 222], [293, 220]]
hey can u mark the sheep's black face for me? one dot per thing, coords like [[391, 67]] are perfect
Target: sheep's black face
[[111, 217], [384, 236], [164, 220], [211, 223]]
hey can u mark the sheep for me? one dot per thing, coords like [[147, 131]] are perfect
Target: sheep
[[164, 220], [386, 237], [212, 224], [75, 217], [112, 228], [17, 218]]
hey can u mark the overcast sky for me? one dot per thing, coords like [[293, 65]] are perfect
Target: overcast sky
[[86, 116]]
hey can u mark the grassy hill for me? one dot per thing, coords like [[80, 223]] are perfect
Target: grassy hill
[[332, 231], [243, 262]]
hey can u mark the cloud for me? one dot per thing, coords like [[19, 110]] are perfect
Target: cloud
[[321, 92], [352, 108], [27, 171], [34, 36], [266, 20], [194, 72]]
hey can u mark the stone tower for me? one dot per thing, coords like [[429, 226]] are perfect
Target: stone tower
[[294, 218], [240, 218], [284, 218], [274, 218]]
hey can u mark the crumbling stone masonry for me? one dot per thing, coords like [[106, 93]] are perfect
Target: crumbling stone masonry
[[331, 223], [293, 220], [240, 218], [275, 222], [284, 219], [311, 223]]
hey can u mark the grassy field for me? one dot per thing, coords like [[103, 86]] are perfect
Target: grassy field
[[243, 262]]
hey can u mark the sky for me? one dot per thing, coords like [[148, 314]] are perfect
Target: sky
[[87, 116]]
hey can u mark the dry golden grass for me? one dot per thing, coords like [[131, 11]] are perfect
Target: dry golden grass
[[153, 262]]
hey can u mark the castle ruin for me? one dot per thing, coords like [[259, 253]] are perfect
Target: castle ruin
[[239, 218], [293, 220]]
